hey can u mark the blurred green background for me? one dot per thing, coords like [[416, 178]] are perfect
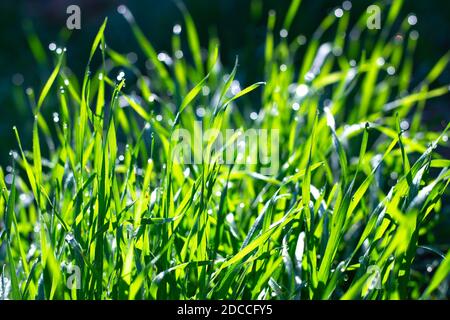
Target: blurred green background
[[239, 24]]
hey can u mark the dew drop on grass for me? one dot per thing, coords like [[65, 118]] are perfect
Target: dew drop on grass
[[9, 178], [301, 40], [338, 12], [241, 205], [347, 5], [132, 57], [177, 29], [283, 33], [412, 19], [123, 10], [283, 68], [120, 76], [52, 46], [55, 117], [66, 82], [235, 87], [205, 90], [253, 115], [159, 118], [230, 218], [179, 54], [391, 70], [200, 112], [17, 79], [404, 125], [164, 57], [414, 35], [302, 90], [380, 61]]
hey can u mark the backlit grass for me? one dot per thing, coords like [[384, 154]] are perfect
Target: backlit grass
[[358, 192]]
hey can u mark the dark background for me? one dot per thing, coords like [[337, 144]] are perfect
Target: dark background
[[239, 24]]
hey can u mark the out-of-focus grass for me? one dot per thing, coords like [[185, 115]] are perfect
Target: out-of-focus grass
[[359, 186]]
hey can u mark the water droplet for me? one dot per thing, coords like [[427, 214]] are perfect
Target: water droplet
[[235, 87], [178, 54], [230, 218], [302, 90], [347, 5], [241, 205], [9, 179], [164, 57], [159, 117], [301, 40], [295, 106], [205, 90], [391, 70], [59, 51], [200, 112], [414, 35], [123, 10], [337, 51], [380, 61], [338, 12], [17, 79], [412, 19], [55, 117], [120, 76], [121, 158], [132, 57], [253, 115], [66, 82], [52, 46], [283, 33], [283, 68], [404, 125], [177, 29]]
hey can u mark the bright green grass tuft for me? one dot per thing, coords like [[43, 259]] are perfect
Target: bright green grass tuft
[[358, 190]]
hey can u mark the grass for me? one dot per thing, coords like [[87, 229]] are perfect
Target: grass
[[360, 187]]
